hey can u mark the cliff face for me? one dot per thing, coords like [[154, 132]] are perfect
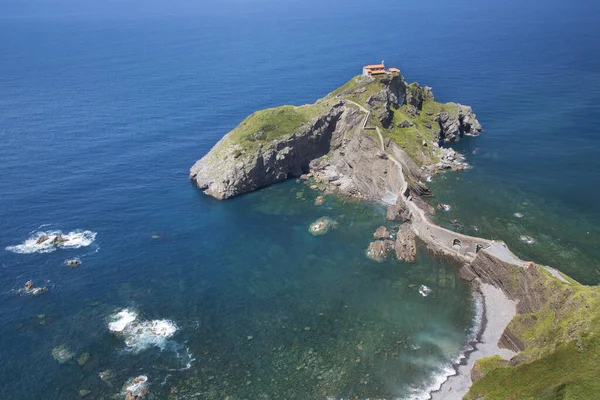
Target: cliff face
[[334, 139], [231, 168]]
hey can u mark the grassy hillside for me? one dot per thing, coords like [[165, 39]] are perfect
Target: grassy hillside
[[562, 358]]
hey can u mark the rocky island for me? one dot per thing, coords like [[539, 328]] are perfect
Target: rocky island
[[378, 138]]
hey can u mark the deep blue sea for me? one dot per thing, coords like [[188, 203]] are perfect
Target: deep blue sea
[[104, 107]]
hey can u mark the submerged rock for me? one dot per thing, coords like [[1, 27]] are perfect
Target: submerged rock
[[518, 215], [83, 359], [58, 240], [62, 354], [319, 200], [406, 244], [379, 249], [105, 375], [321, 226]]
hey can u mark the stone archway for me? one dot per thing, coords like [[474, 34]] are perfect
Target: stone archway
[[456, 243], [478, 247]]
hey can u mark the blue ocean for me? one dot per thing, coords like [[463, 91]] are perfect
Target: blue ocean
[[105, 106]]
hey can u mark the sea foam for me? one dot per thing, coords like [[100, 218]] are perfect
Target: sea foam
[[72, 240], [141, 335], [448, 370]]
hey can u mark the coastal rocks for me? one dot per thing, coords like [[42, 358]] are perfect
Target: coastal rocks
[[424, 290], [453, 126], [47, 242], [73, 263], [62, 354], [527, 239], [444, 207], [41, 239], [382, 233], [136, 388], [30, 288], [397, 212], [140, 335], [449, 159], [321, 226], [320, 200], [405, 245], [379, 249], [405, 124], [59, 240]]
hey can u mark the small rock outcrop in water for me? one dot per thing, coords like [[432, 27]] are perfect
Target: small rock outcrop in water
[[42, 239], [31, 289], [379, 249], [58, 240], [321, 226], [406, 244], [382, 233], [73, 262], [137, 388]]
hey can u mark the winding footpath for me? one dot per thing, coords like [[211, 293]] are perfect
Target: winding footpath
[[453, 243]]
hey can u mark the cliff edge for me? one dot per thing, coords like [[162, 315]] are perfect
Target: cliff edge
[[327, 139]]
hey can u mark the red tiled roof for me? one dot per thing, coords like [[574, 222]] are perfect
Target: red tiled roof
[[374, 66], [377, 72], [394, 70]]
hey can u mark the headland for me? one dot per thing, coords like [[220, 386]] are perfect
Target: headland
[[379, 138]]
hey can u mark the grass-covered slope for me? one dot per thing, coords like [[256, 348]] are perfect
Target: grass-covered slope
[[271, 124], [422, 116], [562, 355]]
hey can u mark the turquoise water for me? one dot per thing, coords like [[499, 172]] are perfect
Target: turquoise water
[[104, 109]]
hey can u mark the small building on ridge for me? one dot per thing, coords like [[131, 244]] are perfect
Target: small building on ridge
[[378, 69]]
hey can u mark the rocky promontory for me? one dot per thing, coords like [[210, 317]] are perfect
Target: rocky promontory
[[378, 138], [335, 140]]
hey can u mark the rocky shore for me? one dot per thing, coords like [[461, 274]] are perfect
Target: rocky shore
[[379, 139]]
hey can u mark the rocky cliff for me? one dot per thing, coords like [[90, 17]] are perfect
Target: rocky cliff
[[334, 141]]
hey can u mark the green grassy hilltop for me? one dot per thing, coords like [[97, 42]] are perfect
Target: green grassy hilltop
[[562, 355], [419, 118]]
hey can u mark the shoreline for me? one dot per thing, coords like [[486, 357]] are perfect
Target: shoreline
[[498, 311]]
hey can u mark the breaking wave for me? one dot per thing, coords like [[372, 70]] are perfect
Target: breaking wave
[[138, 334], [450, 369], [49, 241]]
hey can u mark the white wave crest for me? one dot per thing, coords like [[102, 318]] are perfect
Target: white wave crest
[[49, 241], [140, 335]]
